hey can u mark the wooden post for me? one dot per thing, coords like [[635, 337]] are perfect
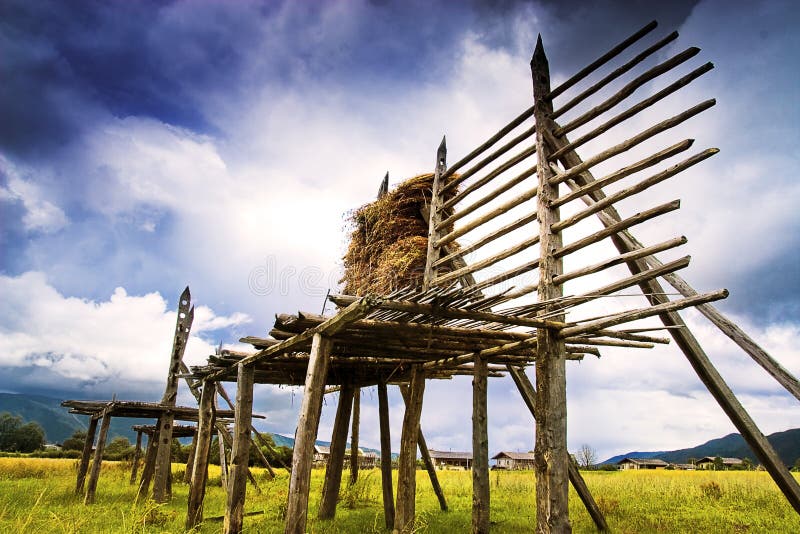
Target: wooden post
[[480, 449], [205, 425], [386, 455], [136, 454], [691, 348], [187, 478], [550, 453], [528, 393], [435, 216], [303, 456], [354, 459], [223, 461], [426, 458], [240, 456], [407, 463], [333, 471], [149, 465], [86, 454], [163, 461], [91, 486]]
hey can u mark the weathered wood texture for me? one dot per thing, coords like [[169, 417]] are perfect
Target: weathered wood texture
[[354, 436], [149, 466], [240, 455], [550, 453], [86, 454], [386, 455], [97, 461], [480, 449], [205, 425], [333, 471], [307, 426], [407, 462], [187, 475], [435, 215]]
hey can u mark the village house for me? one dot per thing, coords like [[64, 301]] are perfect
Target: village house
[[451, 460], [321, 455], [684, 467], [513, 460], [366, 460], [642, 463], [727, 463]]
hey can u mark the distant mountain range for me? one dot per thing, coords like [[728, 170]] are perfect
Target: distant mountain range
[[786, 444]]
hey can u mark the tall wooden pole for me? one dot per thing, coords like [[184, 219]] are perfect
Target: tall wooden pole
[[187, 475], [94, 474], [83, 467], [183, 324], [307, 426], [550, 453], [386, 455], [354, 436], [149, 465], [240, 455], [333, 471], [480, 448], [435, 216], [205, 425], [407, 462]]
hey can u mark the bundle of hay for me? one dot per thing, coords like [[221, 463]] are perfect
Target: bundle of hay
[[389, 240]]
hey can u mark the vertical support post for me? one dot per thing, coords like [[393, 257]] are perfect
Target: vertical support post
[[205, 425], [354, 459], [407, 463], [550, 453], [187, 478], [163, 457], [435, 216], [240, 455], [333, 471], [91, 486], [480, 448], [426, 459], [149, 465], [86, 454], [386, 455], [223, 460], [307, 426], [528, 393], [137, 452]]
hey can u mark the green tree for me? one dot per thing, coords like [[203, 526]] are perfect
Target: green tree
[[75, 441], [118, 448], [8, 426], [797, 465], [18, 437], [718, 465]]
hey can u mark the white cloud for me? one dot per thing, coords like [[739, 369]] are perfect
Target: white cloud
[[124, 340], [41, 215]]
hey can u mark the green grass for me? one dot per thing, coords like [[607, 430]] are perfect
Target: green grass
[[37, 495]]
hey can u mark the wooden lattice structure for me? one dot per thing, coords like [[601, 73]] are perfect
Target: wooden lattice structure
[[497, 311]]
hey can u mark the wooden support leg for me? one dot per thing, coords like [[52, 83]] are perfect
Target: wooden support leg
[[83, 467], [91, 486], [426, 460], [354, 436], [137, 452], [205, 425], [480, 449], [407, 463], [528, 393], [303, 456], [386, 455], [149, 466], [240, 456], [223, 461], [163, 456], [187, 475], [333, 471]]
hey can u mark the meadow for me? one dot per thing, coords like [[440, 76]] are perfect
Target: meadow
[[37, 495]]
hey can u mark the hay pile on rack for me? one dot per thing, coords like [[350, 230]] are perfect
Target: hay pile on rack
[[389, 240]]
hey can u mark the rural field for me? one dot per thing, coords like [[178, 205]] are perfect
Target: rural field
[[37, 495]]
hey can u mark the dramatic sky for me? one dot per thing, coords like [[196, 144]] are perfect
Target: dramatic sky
[[145, 146]]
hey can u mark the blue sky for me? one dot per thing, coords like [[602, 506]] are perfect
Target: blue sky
[[145, 146]]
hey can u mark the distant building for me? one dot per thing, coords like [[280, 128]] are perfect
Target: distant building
[[366, 460], [321, 455], [513, 460], [684, 467], [451, 460], [727, 463], [642, 463]]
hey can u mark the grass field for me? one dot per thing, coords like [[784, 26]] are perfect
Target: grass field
[[37, 495]]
